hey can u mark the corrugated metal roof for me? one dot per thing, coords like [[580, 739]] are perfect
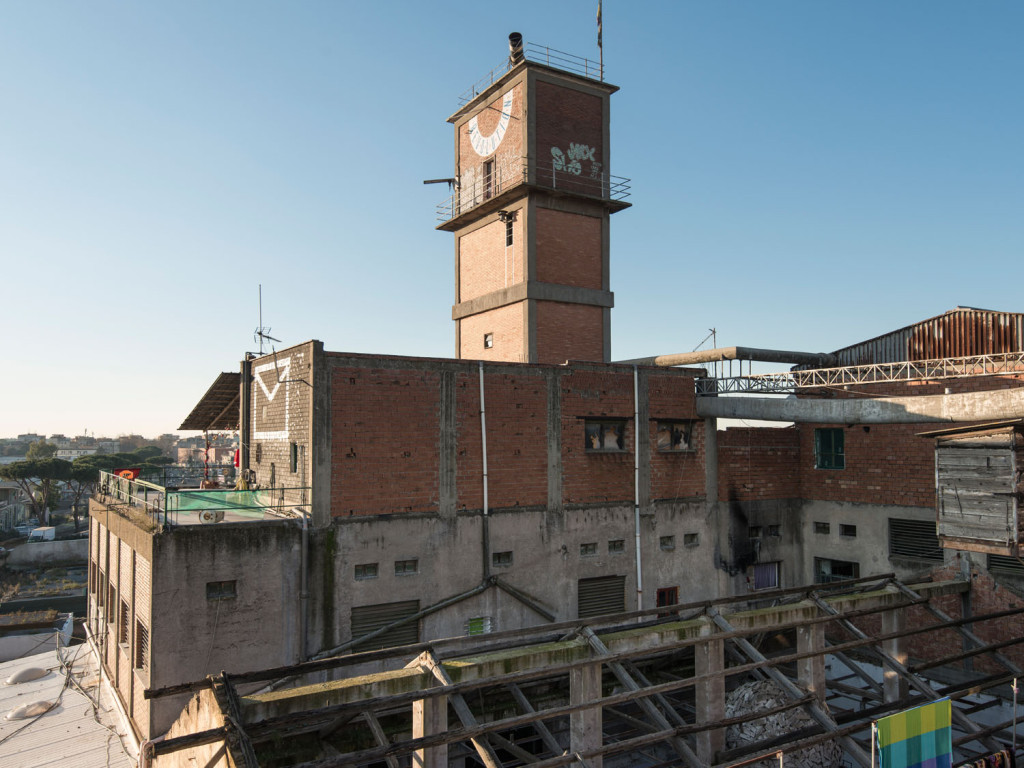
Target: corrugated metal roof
[[218, 408], [66, 735], [960, 332]]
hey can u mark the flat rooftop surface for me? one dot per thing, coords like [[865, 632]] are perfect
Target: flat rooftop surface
[[82, 729]]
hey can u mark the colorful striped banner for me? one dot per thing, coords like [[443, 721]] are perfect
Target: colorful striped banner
[[918, 738]]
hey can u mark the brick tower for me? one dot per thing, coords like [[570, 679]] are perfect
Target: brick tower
[[530, 212]]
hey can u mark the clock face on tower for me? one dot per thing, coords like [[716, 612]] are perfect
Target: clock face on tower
[[485, 145]]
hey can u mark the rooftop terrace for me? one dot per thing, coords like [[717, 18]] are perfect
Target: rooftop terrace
[[176, 497]]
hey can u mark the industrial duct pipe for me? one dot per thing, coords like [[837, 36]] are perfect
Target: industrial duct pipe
[[819, 359]]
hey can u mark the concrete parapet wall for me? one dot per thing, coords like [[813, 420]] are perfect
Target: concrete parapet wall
[[45, 553]]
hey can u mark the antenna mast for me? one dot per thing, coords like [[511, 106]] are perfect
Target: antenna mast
[[262, 332]]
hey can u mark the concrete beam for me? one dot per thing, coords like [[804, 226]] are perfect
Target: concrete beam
[[925, 409]]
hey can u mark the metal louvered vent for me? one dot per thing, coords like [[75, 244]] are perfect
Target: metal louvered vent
[[1005, 564], [914, 538], [605, 594], [370, 618]]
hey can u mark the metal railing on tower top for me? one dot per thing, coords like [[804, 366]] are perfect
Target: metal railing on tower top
[[542, 54]]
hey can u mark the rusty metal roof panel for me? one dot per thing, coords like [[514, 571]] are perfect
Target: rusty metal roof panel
[[219, 407], [960, 332]]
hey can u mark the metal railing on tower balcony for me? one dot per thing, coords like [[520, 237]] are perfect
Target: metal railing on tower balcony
[[572, 171], [541, 54]]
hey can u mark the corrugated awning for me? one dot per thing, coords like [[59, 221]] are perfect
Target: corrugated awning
[[218, 408]]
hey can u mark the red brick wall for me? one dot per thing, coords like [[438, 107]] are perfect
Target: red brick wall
[[385, 440], [485, 263], [517, 440], [675, 475], [567, 119], [568, 248], [758, 463], [590, 477], [569, 332], [885, 464], [505, 323]]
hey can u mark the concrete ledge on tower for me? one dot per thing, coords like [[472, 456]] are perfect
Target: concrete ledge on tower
[[533, 290]]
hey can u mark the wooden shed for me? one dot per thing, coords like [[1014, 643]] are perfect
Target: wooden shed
[[978, 486]]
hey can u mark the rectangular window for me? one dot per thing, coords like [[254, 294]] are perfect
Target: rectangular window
[[605, 435], [366, 571], [501, 559], [845, 529], [508, 232], [766, 576], [691, 539], [667, 542], [828, 448], [293, 458], [773, 530], [616, 546], [122, 623], [754, 532], [220, 590], [481, 625], [675, 435], [826, 571], [101, 591], [668, 596], [589, 549], [111, 602], [914, 538], [406, 567], [488, 340], [822, 527], [488, 179], [141, 660]]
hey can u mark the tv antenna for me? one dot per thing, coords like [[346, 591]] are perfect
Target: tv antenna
[[262, 332]]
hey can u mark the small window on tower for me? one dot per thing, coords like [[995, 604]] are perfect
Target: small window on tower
[[488, 340], [508, 232], [488, 179]]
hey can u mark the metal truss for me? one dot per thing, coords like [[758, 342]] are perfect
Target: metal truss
[[877, 373], [639, 689]]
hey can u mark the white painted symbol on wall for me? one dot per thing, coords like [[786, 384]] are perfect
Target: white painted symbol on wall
[[278, 371], [485, 145]]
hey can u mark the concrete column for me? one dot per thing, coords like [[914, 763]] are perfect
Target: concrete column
[[430, 716], [710, 694], [447, 457], [585, 724], [810, 672], [893, 686], [554, 429]]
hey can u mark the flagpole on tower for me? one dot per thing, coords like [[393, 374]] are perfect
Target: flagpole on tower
[[600, 47]]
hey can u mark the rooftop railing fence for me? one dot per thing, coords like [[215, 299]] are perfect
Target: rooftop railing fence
[[169, 505], [541, 54]]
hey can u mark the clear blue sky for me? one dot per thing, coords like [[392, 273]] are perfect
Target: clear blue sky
[[806, 174]]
